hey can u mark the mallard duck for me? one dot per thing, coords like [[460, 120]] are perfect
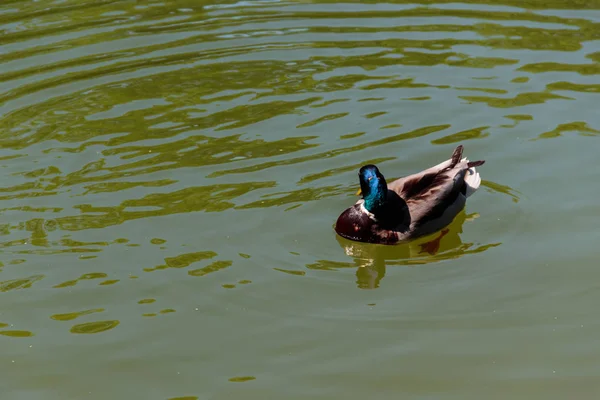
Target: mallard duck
[[409, 207]]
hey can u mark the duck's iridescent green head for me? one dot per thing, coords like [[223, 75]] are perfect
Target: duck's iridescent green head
[[373, 187]]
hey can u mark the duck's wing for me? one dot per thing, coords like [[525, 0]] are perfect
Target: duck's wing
[[407, 186], [434, 196]]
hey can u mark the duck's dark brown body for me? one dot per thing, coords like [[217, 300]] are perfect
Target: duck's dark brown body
[[417, 205]]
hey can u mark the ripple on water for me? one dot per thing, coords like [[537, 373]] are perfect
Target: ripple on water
[[94, 327]]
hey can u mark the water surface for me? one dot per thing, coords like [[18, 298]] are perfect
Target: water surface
[[173, 171]]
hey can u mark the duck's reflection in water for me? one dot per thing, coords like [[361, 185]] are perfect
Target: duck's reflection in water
[[372, 259]]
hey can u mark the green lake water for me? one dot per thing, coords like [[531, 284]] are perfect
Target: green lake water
[[172, 171]]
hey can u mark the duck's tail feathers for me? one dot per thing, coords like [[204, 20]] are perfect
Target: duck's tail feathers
[[455, 159], [472, 178], [472, 164]]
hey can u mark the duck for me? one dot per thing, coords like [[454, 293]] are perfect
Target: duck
[[409, 207]]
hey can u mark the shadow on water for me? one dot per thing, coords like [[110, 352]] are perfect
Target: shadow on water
[[371, 260]]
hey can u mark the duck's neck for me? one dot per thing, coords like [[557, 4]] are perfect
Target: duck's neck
[[374, 189], [375, 200], [391, 212]]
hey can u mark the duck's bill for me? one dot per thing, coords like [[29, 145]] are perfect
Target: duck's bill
[[359, 192]]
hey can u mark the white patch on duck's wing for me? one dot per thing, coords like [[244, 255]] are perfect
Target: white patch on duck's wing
[[472, 181]]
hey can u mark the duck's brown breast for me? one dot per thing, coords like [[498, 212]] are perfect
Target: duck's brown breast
[[356, 225]]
